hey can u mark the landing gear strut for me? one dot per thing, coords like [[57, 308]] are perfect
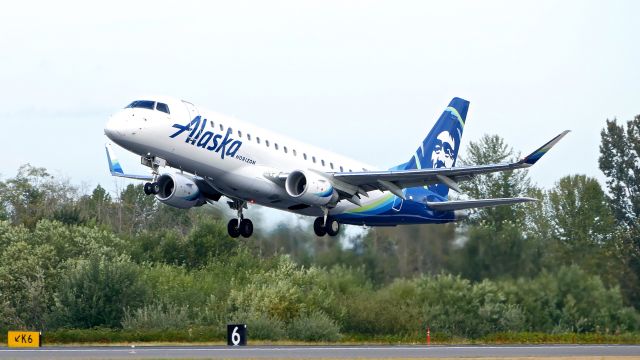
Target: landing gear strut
[[240, 225], [331, 227], [153, 188]]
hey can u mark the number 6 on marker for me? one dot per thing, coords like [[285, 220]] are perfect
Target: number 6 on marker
[[235, 337], [236, 334]]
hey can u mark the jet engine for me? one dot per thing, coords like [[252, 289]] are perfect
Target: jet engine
[[311, 188], [179, 191]]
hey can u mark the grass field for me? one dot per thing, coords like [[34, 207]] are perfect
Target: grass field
[[213, 336]]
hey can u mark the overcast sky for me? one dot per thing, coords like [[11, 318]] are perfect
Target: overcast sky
[[363, 78]]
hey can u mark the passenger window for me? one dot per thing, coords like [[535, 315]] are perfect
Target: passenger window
[[221, 127], [341, 170], [313, 158], [162, 107], [258, 139], [212, 125], [322, 162], [275, 145], [331, 165], [249, 137], [239, 133], [230, 129], [350, 170], [266, 142], [304, 155], [294, 152], [285, 149]]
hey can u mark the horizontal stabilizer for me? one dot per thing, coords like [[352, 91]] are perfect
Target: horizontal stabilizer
[[116, 169], [474, 204]]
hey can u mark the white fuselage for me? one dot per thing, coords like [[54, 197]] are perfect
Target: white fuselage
[[240, 159]]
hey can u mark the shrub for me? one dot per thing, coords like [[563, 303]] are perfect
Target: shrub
[[156, 317], [455, 306], [392, 310], [316, 326], [261, 326], [570, 300], [282, 293], [96, 292]]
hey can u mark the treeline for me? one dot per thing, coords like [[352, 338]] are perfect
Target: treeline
[[568, 263]]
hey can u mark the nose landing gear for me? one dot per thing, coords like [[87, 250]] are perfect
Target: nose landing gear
[[151, 188]]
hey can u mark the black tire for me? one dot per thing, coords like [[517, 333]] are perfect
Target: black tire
[[333, 227], [232, 228], [155, 188], [147, 189], [318, 227], [246, 228]]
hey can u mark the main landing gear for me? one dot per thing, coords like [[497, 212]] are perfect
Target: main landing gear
[[151, 188], [240, 225], [243, 227], [331, 227]]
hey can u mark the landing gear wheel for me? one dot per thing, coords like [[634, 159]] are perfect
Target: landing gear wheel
[[246, 228], [155, 188], [232, 228], [148, 189], [318, 227], [333, 227]]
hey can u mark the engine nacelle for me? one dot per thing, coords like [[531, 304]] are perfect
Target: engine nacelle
[[311, 189], [179, 191]]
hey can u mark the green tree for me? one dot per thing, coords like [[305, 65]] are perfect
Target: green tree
[[496, 242], [620, 162], [97, 206], [4, 211], [207, 241], [582, 224], [135, 210], [34, 194], [27, 274], [491, 149]]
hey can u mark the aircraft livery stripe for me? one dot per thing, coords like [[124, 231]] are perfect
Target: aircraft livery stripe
[[375, 205], [456, 114]]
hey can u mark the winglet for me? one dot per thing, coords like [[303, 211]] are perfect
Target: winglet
[[536, 155], [116, 169], [114, 164]]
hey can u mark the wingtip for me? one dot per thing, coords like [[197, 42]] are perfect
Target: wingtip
[[114, 165], [538, 153]]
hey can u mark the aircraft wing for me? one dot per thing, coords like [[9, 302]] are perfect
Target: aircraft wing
[[476, 204], [352, 183]]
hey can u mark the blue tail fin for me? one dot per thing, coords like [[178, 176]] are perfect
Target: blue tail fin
[[440, 147]]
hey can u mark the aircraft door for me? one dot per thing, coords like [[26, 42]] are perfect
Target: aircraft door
[[397, 202], [192, 110]]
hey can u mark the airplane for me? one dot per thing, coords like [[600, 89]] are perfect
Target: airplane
[[217, 155]]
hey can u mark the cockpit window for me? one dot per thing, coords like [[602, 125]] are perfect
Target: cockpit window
[[145, 104], [162, 107]]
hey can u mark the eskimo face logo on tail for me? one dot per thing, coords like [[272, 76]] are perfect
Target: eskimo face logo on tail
[[443, 152], [225, 145]]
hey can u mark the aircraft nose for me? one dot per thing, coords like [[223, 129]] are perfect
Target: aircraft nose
[[113, 128]]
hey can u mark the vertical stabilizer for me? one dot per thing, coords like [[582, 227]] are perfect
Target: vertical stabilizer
[[440, 148]]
